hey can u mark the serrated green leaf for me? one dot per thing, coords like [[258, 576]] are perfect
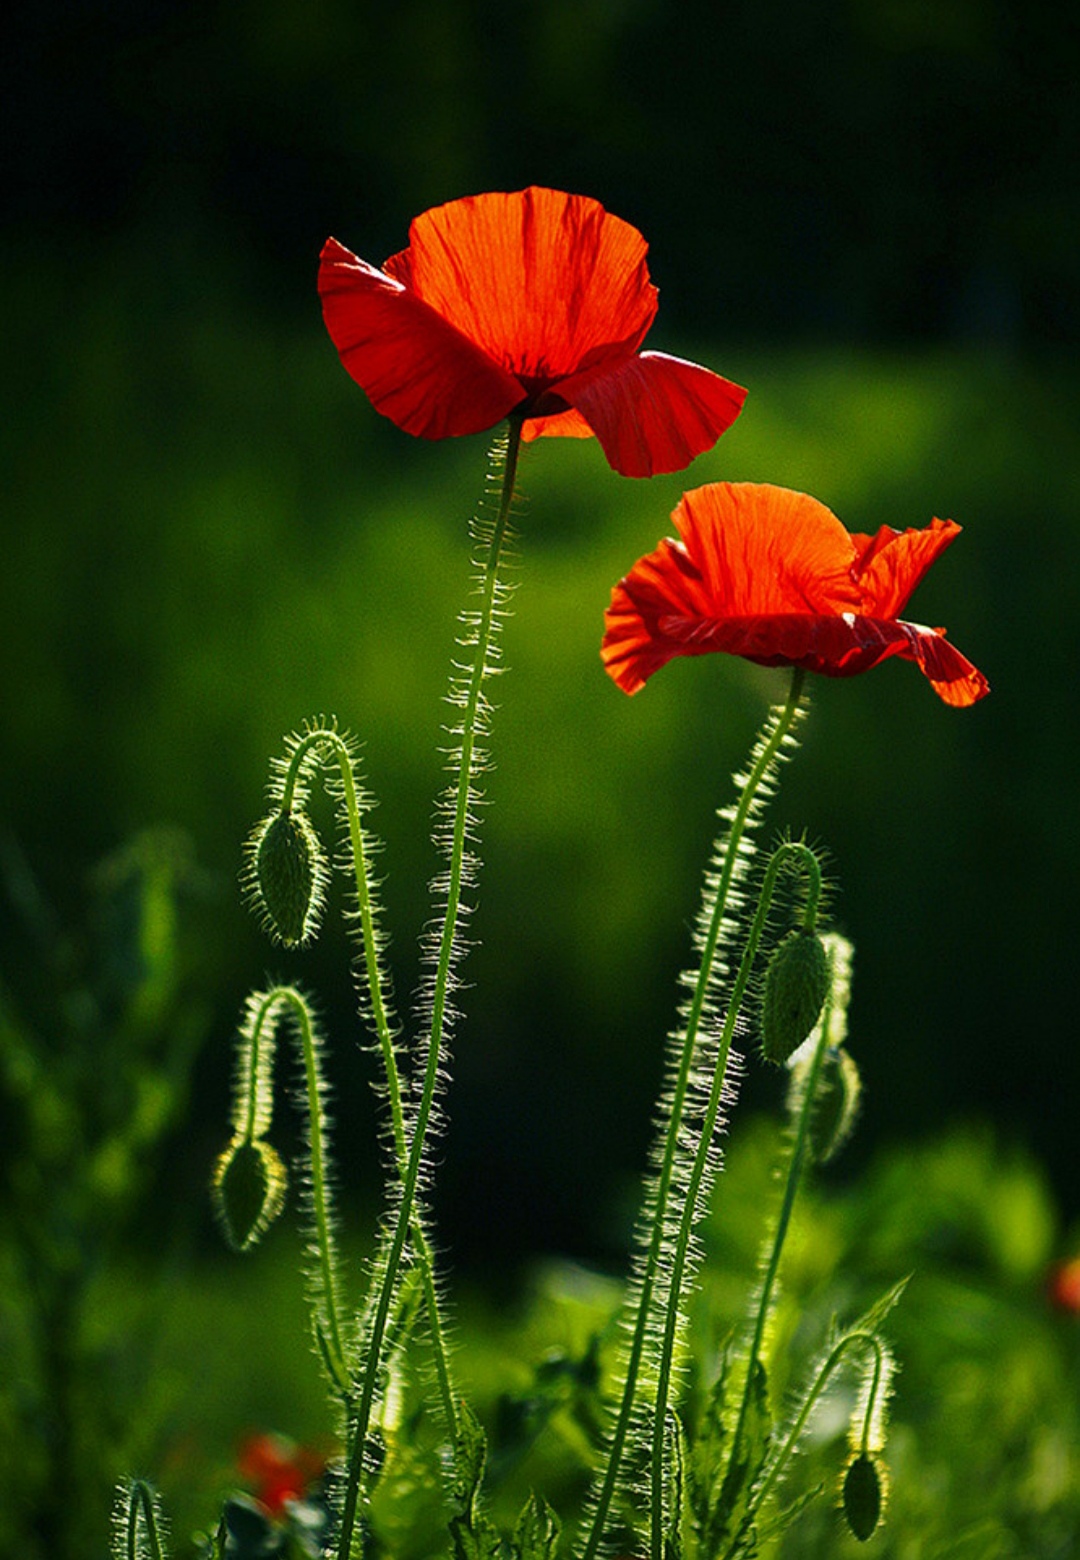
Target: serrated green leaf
[[474, 1536], [536, 1536], [728, 1517], [872, 1318], [470, 1455], [704, 1466]]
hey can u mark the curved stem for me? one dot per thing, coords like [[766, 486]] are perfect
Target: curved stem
[[327, 740], [784, 854], [142, 1501], [324, 1235], [857, 1340], [791, 1187], [743, 811], [440, 992]]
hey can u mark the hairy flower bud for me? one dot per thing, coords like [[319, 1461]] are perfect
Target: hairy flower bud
[[836, 1103], [796, 985], [863, 1496], [287, 876], [248, 1190]]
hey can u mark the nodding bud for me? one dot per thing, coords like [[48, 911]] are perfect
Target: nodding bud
[[287, 876], [248, 1190], [796, 985], [863, 1495], [835, 1105]]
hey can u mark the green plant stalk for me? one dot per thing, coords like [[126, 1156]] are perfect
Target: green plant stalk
[[484, 639], [141, 1501], [324, 1234], [328, 739], [793, 851], [694, 1017], [275, 999], [853, 1340], [791, 1187]]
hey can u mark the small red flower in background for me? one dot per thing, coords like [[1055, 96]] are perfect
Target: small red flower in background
[[277, 1469], [535, 302], [772, 575], [1063, 1286]]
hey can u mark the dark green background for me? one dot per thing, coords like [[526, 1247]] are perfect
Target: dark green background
[[865, 212]]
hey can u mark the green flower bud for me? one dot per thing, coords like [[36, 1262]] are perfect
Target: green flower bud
[[863, 1495], [796, 985], [287, 876], [836, 1104], [248, 1190]]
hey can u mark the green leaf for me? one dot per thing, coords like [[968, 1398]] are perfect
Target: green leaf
[[728, 1518], [704, 1468], [474, 1536], [536, 1536]]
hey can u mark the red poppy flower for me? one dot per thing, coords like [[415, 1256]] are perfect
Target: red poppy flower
[[772, 575], [278, 1470], [535, 302]]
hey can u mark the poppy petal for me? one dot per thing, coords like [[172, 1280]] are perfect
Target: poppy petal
[[653, 413], [559, 425], [889, 565], [548, 284], [771, 575], [416, 369], [764, 549]]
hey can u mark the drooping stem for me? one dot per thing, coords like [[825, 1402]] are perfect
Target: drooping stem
[[792, 853], [859, 1339], [330, 745], [769, 748], [473, 713], [320, 1192]]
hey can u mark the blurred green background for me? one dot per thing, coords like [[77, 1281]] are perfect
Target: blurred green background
[[867, 213]]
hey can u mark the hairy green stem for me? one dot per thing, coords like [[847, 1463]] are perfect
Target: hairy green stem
[[440, 992], [792, 1181], [852, 1340], [325, 740], [141, 1502], [791, 853], [695, 1013]]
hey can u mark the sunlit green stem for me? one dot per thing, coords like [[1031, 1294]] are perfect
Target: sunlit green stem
[[141, 1509], [852, 1340], [743, 812], [327, 741], [489, 596], [287, 997], [792, 1181], [791, 854]]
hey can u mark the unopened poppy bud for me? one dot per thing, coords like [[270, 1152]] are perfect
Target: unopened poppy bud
[[836, 1103], [796, 985], [863, 1496], [287, 876], [249, 1190]]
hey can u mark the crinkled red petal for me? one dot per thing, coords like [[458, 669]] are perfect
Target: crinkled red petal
[[635, 646], [547, 284], [416, 368], [653, 413], [762, 549], [767, 574], [888, 566]]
